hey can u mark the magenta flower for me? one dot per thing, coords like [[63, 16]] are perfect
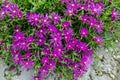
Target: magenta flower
[[46, 50], [55, 37], [15, 11], [44, 60], [82, 6], [45, 20], [115, 15], [84, 18], [98, 40], [57, 52], [41, 40], [68, 33], [27, 63], [52, 28], [72, 6], [86, 61], [29, 39], [112, 29], [69, 12], [97, 8], [56, 17], [64, 1], [52, 64], [28, 55], [33, 18], [81, 46], [17, 58], [43, 72], [66, 24], [2, 14], [36, 78], [99, 26], [18, 36], [1, 42], [79, 71], [12, 9], [92, 21], [84, 32]]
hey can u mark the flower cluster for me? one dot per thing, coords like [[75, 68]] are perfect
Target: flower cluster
[[11, 9], [58, 41], [20, 49]]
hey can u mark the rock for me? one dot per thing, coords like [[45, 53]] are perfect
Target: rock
[[112, 76]]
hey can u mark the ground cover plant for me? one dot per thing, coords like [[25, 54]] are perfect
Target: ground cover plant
[[59, 36]]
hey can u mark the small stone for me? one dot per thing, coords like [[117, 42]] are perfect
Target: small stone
[[101, 57], [116, 57], [106, 50], [116, 40], [112, 76]]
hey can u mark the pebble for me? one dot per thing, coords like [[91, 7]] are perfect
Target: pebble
[[112, 76], [101, 56], [116, 40]]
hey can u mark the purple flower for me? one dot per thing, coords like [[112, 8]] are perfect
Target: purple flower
[[28, 55], [41, 32], [70, 45], [17, 29], [69, 12], [56, 17], [29, 39], [84, 18], [89, 51], [1, 42], [36, 78], [27, 63], [17, 58], [115, 15], [97, 8], [92, 21], [82, 6], [84, 32], [99, 26], [52, 64], [98, 40], [12, 9], [66, 61], [43, 72], [82, 46], [15, 11], [57, 52], [112, 29], [2, 14], [79, 71], [46, 50], [45, 20], [75, 64], [86, 61], [44, 60], [66, 24], [33, 18], [56, 38], [68, 33], [18, 36], [64, 1], [41, 40], [52, 28], [72, 6]]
